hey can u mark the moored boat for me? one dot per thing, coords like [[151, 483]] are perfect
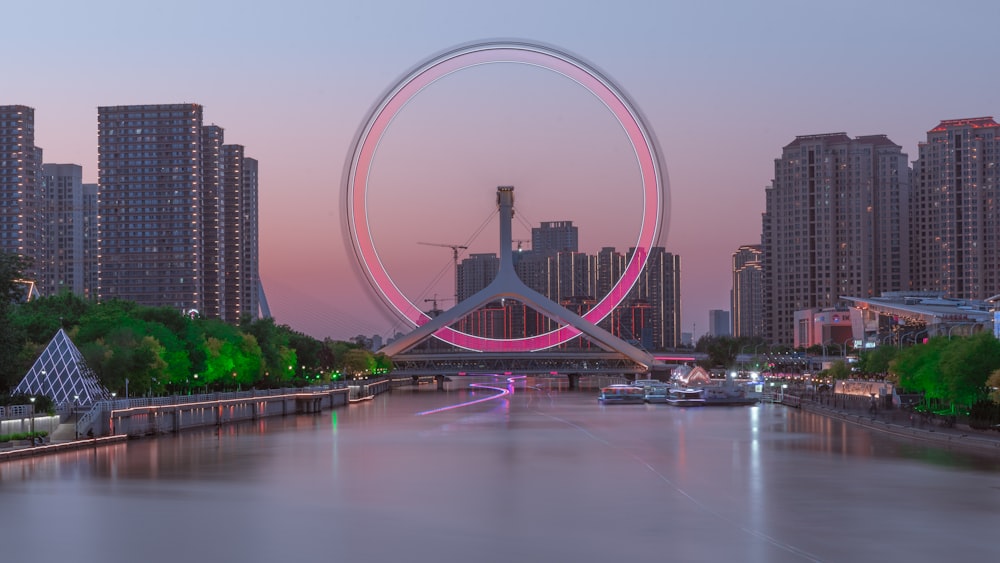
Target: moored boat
[[657, 393], [680, 397], [727, 396], [621, 394]]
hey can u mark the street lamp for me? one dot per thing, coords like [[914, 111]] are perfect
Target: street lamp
[[76, 431], [32, 421]]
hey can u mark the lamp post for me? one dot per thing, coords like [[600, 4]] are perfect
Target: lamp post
[[840, 347], [32, 421], [76, 431]]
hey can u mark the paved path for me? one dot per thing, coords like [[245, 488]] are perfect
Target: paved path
[[900, 423]]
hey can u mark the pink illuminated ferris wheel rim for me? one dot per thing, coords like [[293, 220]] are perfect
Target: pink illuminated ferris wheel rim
[[652, 172]]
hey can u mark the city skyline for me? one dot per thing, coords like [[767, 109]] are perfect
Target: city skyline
[[723, 88]]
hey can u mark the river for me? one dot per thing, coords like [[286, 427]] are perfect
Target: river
[[543, 474]]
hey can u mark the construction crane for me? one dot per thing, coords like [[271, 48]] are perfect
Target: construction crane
[[434, 304], [519, 242], [454, 256]]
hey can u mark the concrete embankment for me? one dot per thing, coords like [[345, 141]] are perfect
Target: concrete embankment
[[59, 447], [966, 439], [110, 422]]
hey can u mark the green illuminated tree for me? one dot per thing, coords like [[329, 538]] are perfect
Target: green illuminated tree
[[966, 364], [289, 363], [916, 368], [357, 362]]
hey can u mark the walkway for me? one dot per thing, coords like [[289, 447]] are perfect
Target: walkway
[[910, 425], [60, 441]]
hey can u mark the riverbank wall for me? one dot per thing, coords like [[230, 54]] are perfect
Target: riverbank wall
[[109, 422], [914, 429]]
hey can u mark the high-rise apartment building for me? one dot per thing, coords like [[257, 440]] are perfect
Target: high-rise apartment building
[[748, 292], [20, 181], [476, 272], [956, 209], [68, 232], [239, 232], [251, 302], [834, 225], [212, 221], [555, 236], [718, 323], [150, 203], [659, 285], [91, 237], [569, 276], [608, 268], [176, 212]]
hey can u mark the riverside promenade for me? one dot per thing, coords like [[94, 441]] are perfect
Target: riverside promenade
[[904, 424], [111, 422]]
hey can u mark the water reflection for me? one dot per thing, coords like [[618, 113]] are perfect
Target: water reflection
[[540, 474]]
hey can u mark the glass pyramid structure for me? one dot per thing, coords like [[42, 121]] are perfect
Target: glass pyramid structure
[[61, 374]]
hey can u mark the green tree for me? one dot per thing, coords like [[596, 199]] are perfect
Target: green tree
[[272, 341], [877, 360], [993, 386], [38, 320], [838, 370], [916, 368], [721, 350], [287, 368], [965, 366], [357, 362], [12, 268]]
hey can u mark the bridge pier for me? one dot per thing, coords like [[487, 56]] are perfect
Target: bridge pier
[[439, 379], [574, 380]]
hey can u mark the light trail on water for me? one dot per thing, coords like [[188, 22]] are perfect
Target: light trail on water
[[503, 392]]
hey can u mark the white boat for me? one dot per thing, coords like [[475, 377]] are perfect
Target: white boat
[[727, 395], [680, 397], [657, 392], [621, 394]]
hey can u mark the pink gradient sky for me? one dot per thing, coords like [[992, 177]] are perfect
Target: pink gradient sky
[[723, 86]]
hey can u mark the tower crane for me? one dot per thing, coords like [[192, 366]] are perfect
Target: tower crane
[[454, 256], [434, 304], [520, 242]]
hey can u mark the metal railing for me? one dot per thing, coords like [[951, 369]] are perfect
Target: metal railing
[[85, 423], [16, 411]]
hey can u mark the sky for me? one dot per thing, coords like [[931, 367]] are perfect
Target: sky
[[722, 85]]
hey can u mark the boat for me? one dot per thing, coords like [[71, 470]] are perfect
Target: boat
[[727, 396], [681, 397], [657, 392], [621, 394]]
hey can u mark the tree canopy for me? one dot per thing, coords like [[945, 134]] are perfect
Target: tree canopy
[[159, 350], [952, 370]]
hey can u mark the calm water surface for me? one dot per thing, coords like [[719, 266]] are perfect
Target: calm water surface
[[541, 475]]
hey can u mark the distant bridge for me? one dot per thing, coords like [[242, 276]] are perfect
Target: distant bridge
[[540, 362]]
